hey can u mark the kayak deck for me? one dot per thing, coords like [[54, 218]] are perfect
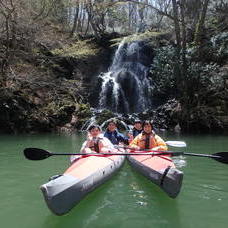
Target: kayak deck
[[84, 175], [160, 170]]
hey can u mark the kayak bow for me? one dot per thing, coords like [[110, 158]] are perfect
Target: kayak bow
[[160, 170], [65, 191]]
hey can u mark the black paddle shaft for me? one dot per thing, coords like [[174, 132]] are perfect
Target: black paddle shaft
[[40, 154], [220, 156]]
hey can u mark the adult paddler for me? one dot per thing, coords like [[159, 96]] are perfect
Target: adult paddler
[[147, 139], [114, 135]]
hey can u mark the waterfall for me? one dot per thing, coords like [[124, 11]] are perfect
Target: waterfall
[[125, 87], [88, 123]]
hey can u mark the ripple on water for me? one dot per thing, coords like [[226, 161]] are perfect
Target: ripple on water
[[180, 162]]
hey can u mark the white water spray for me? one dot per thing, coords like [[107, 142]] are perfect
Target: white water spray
[[125, 87]]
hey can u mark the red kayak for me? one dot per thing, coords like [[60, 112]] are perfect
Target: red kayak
[[160, 169], [64, 191]]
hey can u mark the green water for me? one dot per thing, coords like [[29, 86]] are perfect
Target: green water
[[127, 200]]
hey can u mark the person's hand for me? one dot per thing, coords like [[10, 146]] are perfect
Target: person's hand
[[88, 151], [89, 144], [89, 136], [130, 138], [156, 148], [73, 158], [135, 148]]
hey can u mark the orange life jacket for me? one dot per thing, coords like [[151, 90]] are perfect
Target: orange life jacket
[[151, 141]]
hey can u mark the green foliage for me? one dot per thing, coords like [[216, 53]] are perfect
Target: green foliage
[[220, 45], [162, 72], [213, 50], [104, 115], [165, 79], [83, 111], [201, 77]]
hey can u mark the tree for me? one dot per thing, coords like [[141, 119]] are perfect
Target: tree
[[200, 24]]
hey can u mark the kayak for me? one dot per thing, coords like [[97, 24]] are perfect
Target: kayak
[[65, 191], [160, 170]]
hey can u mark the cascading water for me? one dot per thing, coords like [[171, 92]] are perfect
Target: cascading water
[[125, 87]]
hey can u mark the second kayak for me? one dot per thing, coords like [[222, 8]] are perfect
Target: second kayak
[[160, 170]]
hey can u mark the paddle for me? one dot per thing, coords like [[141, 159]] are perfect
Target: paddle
[[40, 154], [169, 143], [176, 143]]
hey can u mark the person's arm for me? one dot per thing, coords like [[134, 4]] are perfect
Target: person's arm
[[134, 143], [107, 146], [130, 137], [122, 138], [86, 148], [82, 151], [106, 135], [160, 144]]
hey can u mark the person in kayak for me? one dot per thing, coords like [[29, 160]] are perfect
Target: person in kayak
[[114, 135], [137, 128], [147, 139], [95, 143]]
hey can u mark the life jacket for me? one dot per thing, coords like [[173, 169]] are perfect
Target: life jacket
[[96, 145], [147, 141]]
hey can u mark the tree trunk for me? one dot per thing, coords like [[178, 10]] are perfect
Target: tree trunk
[[177, 67], [75, 21], [177, 26], [183, 49], [200, 24], [82, 18]]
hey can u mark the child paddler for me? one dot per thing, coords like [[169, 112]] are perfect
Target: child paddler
[[148, 139], [95, 143]]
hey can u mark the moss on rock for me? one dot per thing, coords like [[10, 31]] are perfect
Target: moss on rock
[[80, 50]]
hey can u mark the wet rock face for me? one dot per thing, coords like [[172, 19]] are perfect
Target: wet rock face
[[19, 113], [176, 117], [12, 112], [172, 116]]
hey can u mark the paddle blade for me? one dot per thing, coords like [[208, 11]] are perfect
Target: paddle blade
[[223, 157], [176, 143], [36, 154]]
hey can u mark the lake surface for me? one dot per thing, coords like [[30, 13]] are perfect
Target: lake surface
[[127, 200]]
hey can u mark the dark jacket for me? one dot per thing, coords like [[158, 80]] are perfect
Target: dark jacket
[[136, 132], [116, 137]]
